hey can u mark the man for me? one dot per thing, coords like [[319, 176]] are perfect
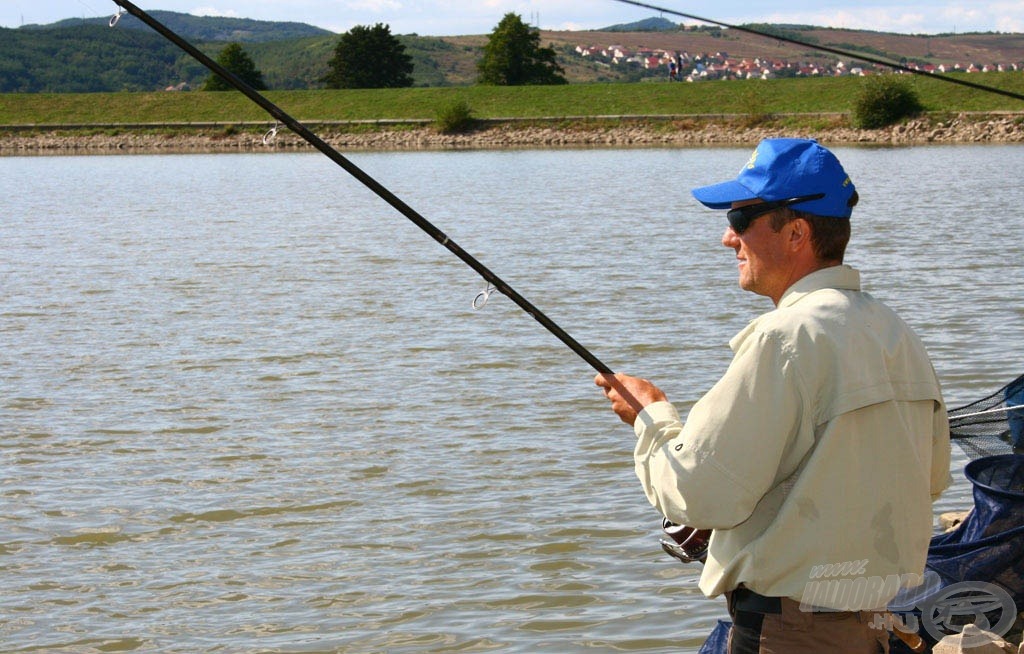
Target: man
[[816, 457]]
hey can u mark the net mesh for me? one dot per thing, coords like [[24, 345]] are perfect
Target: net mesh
[[993, 425], [973, 569], [987, 546]]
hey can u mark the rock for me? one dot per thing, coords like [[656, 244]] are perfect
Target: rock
[[950, 521], [682, 132], [973, 640]]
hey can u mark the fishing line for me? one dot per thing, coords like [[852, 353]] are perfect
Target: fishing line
[[824, 48], [295, 126]]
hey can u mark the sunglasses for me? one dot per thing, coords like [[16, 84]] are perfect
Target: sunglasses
[[741, 217]]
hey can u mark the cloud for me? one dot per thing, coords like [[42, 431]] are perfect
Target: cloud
[[1013, 24], [909, 17], [375, 6], [864, 18], [213, 11], [993, 16]]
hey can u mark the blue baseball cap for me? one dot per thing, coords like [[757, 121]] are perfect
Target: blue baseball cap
[[781, 169]]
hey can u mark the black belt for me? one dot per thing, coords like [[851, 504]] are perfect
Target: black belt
[[746, 600]]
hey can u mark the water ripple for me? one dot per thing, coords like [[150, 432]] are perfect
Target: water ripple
[[280, 426]]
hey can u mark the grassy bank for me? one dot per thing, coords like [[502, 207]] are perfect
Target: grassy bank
[[754, 97]]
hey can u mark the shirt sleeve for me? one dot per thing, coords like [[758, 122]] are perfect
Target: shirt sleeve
[[711, 472]]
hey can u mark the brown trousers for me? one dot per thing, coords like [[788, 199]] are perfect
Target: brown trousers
[[793, 631]]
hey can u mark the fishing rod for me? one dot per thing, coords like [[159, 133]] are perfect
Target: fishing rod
[[494, 282], [824, 48]]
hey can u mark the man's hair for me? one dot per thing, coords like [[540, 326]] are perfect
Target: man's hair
[[829, 236]]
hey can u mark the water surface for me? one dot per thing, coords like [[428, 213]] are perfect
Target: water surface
[[248, 407]]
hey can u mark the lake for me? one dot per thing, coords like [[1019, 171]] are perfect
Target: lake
[[248, 407]]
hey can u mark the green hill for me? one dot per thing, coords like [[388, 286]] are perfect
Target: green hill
[[658, 24], [203, 28], [89, 58]]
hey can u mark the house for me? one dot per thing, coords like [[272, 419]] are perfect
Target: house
[[719, 66], [616, 52]]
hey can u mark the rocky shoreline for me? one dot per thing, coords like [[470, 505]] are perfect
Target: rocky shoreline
[[681, 132]]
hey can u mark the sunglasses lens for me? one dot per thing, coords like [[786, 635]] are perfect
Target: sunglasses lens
[[740, 219]]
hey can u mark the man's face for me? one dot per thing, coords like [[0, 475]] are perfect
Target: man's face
[[765, 265]]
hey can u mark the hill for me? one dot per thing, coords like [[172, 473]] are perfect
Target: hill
[[89, 58], [658, 24], [85, 55], [203, 28]]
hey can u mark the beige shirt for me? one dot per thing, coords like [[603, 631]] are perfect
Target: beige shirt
[[815, 458]]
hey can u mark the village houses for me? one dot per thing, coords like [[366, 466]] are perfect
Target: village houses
[[719, 65]]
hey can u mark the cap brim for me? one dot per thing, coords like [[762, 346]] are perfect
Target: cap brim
[[721, 196]]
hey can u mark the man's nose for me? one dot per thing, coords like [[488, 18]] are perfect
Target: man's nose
[[729, 238]]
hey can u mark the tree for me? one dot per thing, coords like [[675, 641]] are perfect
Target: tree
[[369, 58], [513, 56], [885, 100], [234, 58]]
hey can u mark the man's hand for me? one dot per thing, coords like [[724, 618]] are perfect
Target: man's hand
[[629, 395]]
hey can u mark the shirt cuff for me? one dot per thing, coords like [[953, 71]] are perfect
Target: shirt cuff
[[655, 416]]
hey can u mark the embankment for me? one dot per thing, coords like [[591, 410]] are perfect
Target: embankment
[[639, 132]]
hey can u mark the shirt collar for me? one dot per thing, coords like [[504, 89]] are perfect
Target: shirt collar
[[839, 277]]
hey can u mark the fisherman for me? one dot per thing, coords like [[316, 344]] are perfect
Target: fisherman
[[816, 457]]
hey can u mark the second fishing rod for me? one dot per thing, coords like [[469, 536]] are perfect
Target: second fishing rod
[[302, 131]]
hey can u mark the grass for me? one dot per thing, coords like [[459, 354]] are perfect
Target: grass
[[784, 96]]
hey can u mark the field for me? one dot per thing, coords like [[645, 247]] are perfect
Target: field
[[744, 98]]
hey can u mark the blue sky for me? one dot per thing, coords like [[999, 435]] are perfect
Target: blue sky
[[451, 17]]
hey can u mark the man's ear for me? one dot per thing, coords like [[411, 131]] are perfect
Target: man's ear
[[799, 233]]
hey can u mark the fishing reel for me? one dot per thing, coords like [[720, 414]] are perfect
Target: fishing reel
[[687, 544]]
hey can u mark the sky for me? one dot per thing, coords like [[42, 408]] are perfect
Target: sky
[[457, 17]]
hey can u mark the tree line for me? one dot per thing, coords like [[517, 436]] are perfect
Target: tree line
[[371, 57], [91, 58]]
